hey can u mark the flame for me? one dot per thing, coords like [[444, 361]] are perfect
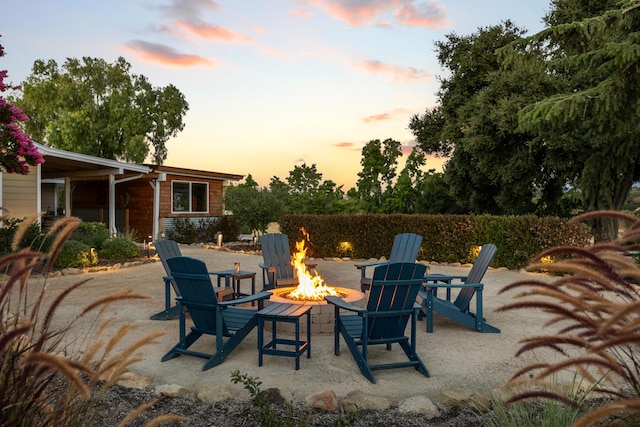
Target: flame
[[311, 287]]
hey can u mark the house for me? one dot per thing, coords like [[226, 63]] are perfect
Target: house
[[143, 199]]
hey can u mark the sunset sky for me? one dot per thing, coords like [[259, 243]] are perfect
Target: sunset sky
[[271, 84]]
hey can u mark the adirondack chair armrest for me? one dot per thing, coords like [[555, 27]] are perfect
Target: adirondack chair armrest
[[454, 285], [342, 304], [362, 266], [442, 278], [255, 297]]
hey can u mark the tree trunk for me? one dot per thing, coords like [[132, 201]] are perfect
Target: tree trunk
[[605, 229]]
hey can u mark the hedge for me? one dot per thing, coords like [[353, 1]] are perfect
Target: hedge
[[446, 238]]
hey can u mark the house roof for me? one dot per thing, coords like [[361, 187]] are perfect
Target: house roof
[[61, 163], [195, 173]]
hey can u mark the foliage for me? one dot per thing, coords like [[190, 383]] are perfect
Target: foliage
[[17, 151], [47, 379], [446, 238], [75, 254], [252, 206], [595, 302], [31, 236], [89, 106], [592, 116], [229, 227], [120, 247], [540, 412], [379, 163], [184, 231], [92, 234]]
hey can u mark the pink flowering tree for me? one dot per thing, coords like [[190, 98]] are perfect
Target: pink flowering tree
[[17, 151]]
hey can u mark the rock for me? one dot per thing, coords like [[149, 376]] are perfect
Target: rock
[[419, 405], [72, 271], [131, 380], [460, 398], [172, 390], [210, 394], [357, 400], [326, 400]]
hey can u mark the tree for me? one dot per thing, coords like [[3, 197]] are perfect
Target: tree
[[493, 167], [17, 151], [254, 207], [379, 164], [593, 48], [405, 195], [101, 109]]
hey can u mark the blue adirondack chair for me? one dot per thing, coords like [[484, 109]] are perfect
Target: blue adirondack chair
[[168, 249], [277, 269], [391, 303], [209, 317], [470, 286], [405, 249]]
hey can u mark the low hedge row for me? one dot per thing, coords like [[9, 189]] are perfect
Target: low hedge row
[[446, 238]]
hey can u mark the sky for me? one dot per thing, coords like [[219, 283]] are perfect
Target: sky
[[271, 84]]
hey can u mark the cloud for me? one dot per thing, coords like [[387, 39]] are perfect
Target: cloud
[[190, 16], [188, 10], [164, 54], [389, 115], [301, 12], [422, 13], [401, 74], [212, 32]]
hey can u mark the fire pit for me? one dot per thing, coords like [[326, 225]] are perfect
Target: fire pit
[[311, 291], [321, 312]]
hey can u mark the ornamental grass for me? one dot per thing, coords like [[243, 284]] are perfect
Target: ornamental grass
[[594, 303], [46, 377]]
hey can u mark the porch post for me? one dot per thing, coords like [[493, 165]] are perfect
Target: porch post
[[112, 205], [67, 196]]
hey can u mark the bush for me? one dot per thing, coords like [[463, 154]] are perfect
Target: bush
[[119, 248], [229, 226], [75, 254], [184, 231], [207, 229], [92, 234]]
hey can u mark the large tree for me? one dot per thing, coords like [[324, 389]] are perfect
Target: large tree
[[101, 109], [594, 47], [494, 167], [379, 163]]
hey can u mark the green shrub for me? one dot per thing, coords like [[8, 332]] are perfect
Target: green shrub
[[229, 227], [75, 254], [92, 234], [184, 231], [120, 248], [207, 229]]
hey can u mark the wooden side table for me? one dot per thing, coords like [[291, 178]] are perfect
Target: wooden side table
[[288, 313]]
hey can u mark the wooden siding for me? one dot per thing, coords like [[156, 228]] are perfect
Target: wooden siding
[[19, 194]]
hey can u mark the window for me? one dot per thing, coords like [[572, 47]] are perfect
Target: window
[[189, 197]]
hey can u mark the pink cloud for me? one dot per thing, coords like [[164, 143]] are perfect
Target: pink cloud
[[164, 54], [212, 32], [406, 12], [301, 12], [389, 115], [399, 73]]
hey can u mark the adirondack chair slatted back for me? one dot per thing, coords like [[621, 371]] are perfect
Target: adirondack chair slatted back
[[192, 278], [276, 253], [480, 266], [405, 247], [167, 249], [394, 288]]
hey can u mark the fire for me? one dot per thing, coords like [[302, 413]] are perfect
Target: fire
[[310, 287]]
